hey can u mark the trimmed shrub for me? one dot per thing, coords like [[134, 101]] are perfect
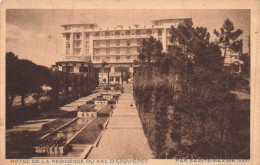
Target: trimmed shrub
[[112, 101], [90, 102], [106, 88]]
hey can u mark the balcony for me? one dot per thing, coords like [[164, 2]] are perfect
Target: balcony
[[121, 37], [115, 46], [79, 57]]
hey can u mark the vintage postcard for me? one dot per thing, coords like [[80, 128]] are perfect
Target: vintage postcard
[[129, 82]]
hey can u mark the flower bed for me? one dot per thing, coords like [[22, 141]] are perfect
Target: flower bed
[[100, 101], [116, 96], [107, 96], [112, 101], [86, 111], [52, 145]]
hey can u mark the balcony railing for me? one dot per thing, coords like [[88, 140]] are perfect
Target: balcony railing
[[119, 37]]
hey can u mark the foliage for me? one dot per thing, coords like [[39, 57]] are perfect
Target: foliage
[[200, 119], [23, 77], [228, 38], [127, 75], [246, 64], [151, 51]]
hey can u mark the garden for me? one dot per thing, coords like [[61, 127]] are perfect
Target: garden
[[184, 97]]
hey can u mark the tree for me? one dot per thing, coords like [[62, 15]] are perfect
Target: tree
[[104, 63], [126, 76], [246, 64], [13, 85], [24, 77], [183, 38], [228, 38], [151, 51]]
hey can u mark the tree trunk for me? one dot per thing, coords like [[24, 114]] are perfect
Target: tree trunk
[[57, 92], [122, 76], [9, 102], [225, 52], [66, 83], [81, 86], [22, 100], [87, 84]]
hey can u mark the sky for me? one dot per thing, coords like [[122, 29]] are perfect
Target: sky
[[35, 34]]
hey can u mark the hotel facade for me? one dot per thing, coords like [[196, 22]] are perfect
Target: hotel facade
[[117, 47]]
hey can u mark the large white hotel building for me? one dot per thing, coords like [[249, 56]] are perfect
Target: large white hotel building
[[117, 46]]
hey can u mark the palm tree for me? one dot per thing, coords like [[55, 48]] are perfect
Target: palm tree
[[104, 63]]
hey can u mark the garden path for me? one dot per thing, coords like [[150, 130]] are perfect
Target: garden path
[[124, 137]]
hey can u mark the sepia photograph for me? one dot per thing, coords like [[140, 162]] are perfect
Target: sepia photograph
[[127, 84]]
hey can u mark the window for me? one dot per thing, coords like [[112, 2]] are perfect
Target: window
[[67, 37], [83, 69], [108, 58], [68, 45], [86, 35], [64, 69], [159, 32], [71, 69], [77, 44], [148, 32], [76, 51], [117, 34], [128, 57], [117, 58], [128, 33], [87, 51], [87, 44], [107, 34], [77, 36], [107, 43], [128, 42], [117, 42], [120, 69], [97, 34], [106, 70], [97, 58], [107, 51], [97, 43], [118, 51], [138, 42], [97, 51], [134, 51], [117, 79], [128, 51], [67, 52], [138, 33], [111, 78]]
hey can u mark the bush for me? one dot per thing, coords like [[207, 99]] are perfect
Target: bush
[[106, 88], [116, 96], [101, 126], [112, 101], [90, 102]]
